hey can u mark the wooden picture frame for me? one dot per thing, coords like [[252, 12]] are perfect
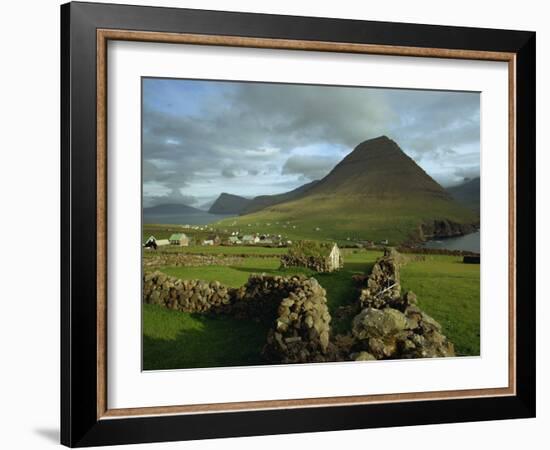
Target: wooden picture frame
[[86, 418]]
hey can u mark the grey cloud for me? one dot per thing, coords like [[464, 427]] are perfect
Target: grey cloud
[[256, 129], [310, 167], [228, 173], [467, 172], [173, 196]]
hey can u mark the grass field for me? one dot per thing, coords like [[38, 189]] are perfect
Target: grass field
[[175, 340], [222, 250], [447, 290], [366, 218]]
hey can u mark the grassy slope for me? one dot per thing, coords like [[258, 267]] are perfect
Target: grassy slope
[[447, 289], [356, 217]]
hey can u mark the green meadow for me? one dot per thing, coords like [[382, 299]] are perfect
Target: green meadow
[[353, 218], [447, 289]]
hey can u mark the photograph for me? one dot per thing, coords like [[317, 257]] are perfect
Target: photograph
[[297, 223], [285, 222]]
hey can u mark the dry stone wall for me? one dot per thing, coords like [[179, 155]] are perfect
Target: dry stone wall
[[152, 260], [302, 324], [194, 296], [318, 264], [390, 324], [383, 285], [296, 307]]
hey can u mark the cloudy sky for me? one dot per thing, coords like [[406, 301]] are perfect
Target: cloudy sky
[[201, 138]]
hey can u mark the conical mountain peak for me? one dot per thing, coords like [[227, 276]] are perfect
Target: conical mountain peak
[[378, 167], [375, 192]]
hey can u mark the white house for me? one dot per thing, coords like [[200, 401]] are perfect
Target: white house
[[334, 258], [152, 241], [250, 239]]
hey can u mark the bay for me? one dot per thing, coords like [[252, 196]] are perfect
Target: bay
[[469, 242]]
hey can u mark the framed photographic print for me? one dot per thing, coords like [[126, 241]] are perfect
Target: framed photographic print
[[277, 224]]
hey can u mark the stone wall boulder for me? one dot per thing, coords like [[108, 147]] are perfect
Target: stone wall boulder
[[378, 323], [390, 334], [302, 323], [390, 324]]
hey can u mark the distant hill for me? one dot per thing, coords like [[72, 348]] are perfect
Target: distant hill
[[171, 208], [467, 193], [263, 201], [206, 206], [235, 204], [376, 192], [228, 204]]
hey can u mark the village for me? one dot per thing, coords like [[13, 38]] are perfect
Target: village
[[205, 236], [213, 239]]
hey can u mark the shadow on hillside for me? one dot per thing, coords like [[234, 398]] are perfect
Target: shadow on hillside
[[221, 341]]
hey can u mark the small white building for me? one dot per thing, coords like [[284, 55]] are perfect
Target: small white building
[[250, 239], [334, 258], [152, 241]]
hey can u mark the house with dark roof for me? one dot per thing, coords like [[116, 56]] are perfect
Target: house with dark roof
[[153, 242]]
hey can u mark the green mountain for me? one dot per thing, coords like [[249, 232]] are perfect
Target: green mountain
[[235, 204], [228, 204], [375, 193], [263, 201], [467, 193]]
